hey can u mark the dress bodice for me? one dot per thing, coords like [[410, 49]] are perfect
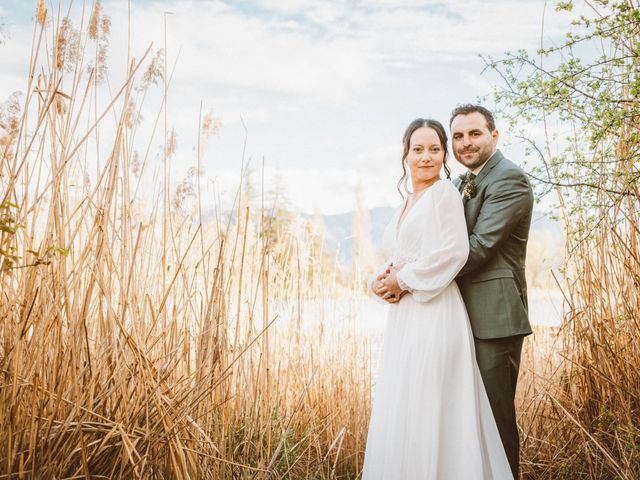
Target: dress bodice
[[403, 238], [431, 240]]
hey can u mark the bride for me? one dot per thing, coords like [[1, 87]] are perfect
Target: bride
[[431, 417]]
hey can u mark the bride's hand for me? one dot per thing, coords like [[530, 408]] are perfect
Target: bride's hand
[[390, 289], [378, 287]]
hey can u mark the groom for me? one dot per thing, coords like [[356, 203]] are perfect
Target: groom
[[497, 204]]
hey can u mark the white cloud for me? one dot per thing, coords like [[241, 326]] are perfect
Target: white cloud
[[278, 56], [477, 82], [321, 84], [281, 54], [272, 57]]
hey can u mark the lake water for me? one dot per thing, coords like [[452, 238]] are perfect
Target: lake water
[[367, 316]]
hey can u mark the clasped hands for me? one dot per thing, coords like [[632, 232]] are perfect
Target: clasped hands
[[386, 284]]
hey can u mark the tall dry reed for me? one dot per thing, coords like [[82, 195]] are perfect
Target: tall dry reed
[[582, 419], [581, 401], [150, 343]]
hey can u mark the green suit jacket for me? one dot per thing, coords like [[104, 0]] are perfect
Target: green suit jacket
[[492, 282]]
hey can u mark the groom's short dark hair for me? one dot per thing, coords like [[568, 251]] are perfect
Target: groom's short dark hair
[[468, 108]]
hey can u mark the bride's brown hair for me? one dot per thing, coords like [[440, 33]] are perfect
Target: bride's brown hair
[[413, 126]]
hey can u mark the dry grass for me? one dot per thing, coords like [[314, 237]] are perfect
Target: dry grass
[[581, 418], [145, 344]]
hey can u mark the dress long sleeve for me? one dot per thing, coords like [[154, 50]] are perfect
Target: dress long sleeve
[[437, 266]]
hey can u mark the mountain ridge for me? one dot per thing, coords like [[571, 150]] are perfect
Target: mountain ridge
[[339, 237]]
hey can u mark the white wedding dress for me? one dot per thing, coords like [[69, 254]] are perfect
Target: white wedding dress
[[431, 417]]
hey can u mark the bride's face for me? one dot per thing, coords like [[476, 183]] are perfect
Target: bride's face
[[425, 156]]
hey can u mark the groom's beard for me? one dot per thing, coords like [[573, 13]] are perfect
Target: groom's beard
[[481, 155]]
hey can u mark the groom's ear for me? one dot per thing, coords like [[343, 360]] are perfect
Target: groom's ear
[[495, 135]]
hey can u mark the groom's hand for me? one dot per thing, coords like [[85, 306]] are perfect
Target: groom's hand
[[397, 267], [397, 299]]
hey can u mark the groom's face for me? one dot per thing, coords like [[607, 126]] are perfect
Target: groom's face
[[471, 140]]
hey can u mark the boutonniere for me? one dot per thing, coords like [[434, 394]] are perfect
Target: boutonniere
[[468, 185]]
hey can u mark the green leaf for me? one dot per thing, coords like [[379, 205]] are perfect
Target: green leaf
[[566, 6]]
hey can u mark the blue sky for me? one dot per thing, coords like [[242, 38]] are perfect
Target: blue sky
[[325, 88]]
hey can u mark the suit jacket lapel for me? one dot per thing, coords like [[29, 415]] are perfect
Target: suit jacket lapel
[[492, 162]]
